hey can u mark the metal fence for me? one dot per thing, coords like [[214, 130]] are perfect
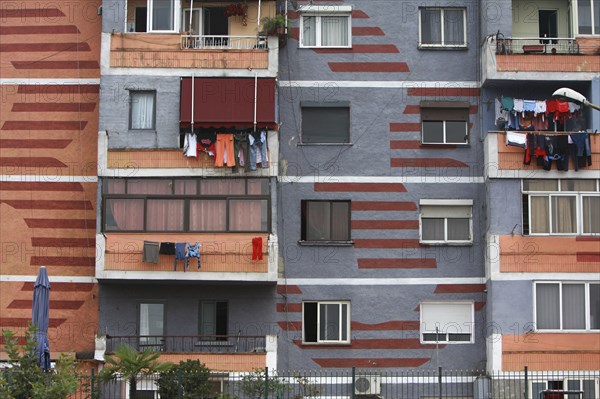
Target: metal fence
[[353, 384]]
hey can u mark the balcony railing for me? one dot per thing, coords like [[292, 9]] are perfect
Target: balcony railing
[[214, 42], [190, 343], [536, 45]]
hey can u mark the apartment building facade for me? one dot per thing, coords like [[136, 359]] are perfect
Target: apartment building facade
[[187, 240], [50, 70], [542, 215]]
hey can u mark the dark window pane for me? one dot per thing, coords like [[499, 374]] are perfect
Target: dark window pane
[[454, 26], [318, 221], [433, 132], [329, 322], [453, 337], [340, 226], [459, 230], [310, 322], [456, 132], [431, 28], [325, 125], [595, 306], [432, 229], [221, 321], [433, 337], [547, 306], [589, 389]]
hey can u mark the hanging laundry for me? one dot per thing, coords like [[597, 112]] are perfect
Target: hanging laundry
[[257, 248], [150, 252], [258, 149], [529, 105], [193, 251], [206, 142], [167, 248], [180, 255], [189, 145], [540, 107], [518, 105], [507, 103], [224, 150], [501, 114], [516, 139]]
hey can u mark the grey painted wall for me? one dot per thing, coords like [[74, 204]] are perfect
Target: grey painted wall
[[114, 111], [512, 310], [250, 307], [504, 217], [113, 15]]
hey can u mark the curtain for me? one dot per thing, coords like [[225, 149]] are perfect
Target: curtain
[[208, 215], [185, 187], [454, 27], [258, 186], [459, 229], [595, 306], [114, 186], [164, 215], [142, 110], [584, 16], [431, 32], [318, 223], [334, 31], [573, 306], [540, 185], [222, 187], [539, 214], [248, 215], [340, 221], [127, 214], [309, 31], [432, 229], [329, 322], [564, 214], [144, 186], [591, 215], [547, 306]]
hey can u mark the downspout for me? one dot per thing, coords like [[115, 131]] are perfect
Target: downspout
[[255, 96], [258, 18], [191, 12], [192, 102]]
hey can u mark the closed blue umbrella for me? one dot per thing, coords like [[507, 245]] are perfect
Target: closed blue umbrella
[[40, 316]]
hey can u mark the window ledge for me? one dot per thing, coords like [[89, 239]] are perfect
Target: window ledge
[[443, 48], [458, 145], [446, 243], [341, 344], [325, 144], [140, 131], [326, 243]]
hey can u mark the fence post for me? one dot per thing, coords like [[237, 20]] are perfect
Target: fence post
[[352, 391], [526, 384], [266, 383], [440, 381], [180, 383], [92, 393]]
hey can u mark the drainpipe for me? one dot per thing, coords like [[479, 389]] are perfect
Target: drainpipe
[[255, 96], [192, 102]]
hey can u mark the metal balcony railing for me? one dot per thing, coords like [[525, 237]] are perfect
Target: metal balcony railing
[[536, 45], [215, 42], [189, 343]]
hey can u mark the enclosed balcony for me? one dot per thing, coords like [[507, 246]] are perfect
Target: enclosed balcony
[[560, 40], [193, 35]]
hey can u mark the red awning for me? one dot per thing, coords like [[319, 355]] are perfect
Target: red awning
[[227, 102]]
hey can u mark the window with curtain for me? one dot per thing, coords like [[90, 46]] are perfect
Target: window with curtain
[[326, 28], [186, 205], [442, 27], [151, 325], [444, 122], [326, 322], [325, 221], [567, 306], [448, 322], [588, 17], [561, 207], [142, 110], [446, 221]]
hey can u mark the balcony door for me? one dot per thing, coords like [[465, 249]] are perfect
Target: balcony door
[[151, 326], [215, 21], [548, 24], [196, 27], [213, 319]]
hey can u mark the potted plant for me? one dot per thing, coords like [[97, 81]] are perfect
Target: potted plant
[[273, 25], [237, 9]]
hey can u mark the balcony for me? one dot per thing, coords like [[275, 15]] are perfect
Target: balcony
[[523, 58], [224, 257], [218, 353], [507, 161]]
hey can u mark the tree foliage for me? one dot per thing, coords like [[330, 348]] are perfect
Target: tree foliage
[[254, 385], [188, 380], [25, 379]]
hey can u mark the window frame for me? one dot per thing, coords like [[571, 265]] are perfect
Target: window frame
[[155, 345], [444, 142], [445, 203], [202, 321], [587, 305], [318, 321], [422, 332], [324, 11], [593, 22], [303, 223], [565, 382], [442, 18], [154, 108], [444, 112], [559, 192], [324, 106], [176, 18], [187, 198]]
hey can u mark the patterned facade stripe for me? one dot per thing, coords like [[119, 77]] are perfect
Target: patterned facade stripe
[[36, 162], [360, 49], [369, 67], [588, 256], [33, 13], [443, 92], [383, 206], [367, 31], [58, 89], [42, 143], [41, 186], [397, 263], [288, 289], [405, 127], [63, 242], [85, 261], [24, 322], [392, 343], [426, 163], [38, 30], [289, 307], [44, 125], [459, 288], [395, 325], [416, 145], [385, 224], [55, 205], [414, 109], [43, 47], [53, 107], [54, 304], [55, 64], [63, 287], [61, 223]]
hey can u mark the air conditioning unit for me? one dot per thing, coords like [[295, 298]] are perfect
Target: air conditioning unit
[[367, 385]]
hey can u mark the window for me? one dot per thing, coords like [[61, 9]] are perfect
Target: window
[[163, 15], [142, 109], [442, 27], [326, 26], [151, 326], [324, 221], [567, 207], [449, 322], [567, 306], [325, 123], [588, 385], [326, 322], [213, 319], [588, 17], [181, 205], [444, 122], [446, 221]]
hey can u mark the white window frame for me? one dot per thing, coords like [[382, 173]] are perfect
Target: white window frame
[[470, 327], [445, 141], [442, 44], [575, 17], [579, 195], [347, 326], [560, 304], [176, 18], [185, 18], [324, 11], [446, 203], [132, 93], [575, 377]]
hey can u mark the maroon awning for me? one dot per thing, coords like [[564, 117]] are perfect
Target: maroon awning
[[227, 102]]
